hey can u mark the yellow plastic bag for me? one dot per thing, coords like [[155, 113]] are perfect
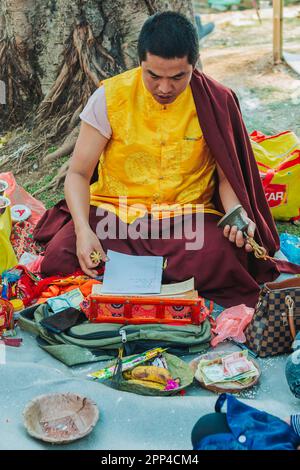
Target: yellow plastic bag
[[278, 160], [7, 255]]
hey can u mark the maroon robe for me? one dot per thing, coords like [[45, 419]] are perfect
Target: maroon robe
[[223, 272], [227, 137]]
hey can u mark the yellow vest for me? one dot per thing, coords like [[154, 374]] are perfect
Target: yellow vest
[[157, 155]]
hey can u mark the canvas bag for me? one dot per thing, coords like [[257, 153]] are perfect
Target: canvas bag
[[276, 319], [278, 160], [92, 342]]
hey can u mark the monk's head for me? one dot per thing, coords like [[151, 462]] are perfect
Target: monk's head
[[168, 49]]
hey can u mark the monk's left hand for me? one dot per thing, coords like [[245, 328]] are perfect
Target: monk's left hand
[[236, 236]]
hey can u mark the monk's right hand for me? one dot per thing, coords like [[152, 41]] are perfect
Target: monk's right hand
[[87, 242]]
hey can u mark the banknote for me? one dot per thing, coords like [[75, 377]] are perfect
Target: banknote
[[231, 367]]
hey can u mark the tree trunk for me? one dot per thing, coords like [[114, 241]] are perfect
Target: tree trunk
[[53, 53]]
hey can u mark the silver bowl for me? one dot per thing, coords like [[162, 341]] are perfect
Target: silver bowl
[[4, 203], [3, 187]]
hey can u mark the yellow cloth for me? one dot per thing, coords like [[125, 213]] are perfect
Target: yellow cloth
[[7, 255], [156, 156]]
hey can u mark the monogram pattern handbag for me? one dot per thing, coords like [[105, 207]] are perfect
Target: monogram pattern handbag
[[276, 319]]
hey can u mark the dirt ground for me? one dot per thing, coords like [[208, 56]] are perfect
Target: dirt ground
[[238, 53]]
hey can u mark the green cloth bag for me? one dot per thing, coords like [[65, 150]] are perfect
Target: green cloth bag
[[91, 342]]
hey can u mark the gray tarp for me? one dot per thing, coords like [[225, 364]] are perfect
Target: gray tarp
[[127, 421]]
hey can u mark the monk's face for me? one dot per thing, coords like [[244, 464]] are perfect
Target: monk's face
[[166, 78]]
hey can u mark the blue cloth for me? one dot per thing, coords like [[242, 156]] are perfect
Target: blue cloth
[[292, 368], [290, 246], [295, 423], [251, 429]]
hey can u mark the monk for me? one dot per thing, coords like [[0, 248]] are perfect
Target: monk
[[165, 137]]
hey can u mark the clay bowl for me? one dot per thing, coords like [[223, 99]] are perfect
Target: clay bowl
[[230, 387], [4, 203], [60, 418], [3, 187]]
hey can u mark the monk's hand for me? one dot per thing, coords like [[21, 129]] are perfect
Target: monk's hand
[[89, 251], [236, 236]]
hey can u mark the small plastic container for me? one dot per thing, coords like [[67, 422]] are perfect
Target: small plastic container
[[20, 212], [4, 203], [3, 187]]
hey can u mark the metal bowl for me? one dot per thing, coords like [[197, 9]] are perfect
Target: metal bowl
[[234, 217], [4, 203], [3, 187], [60, 418]]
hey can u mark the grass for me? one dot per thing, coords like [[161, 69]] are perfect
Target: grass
[[48, 197], [288, 227]]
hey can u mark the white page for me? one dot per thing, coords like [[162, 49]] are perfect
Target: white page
[[166, 289], [129, 274]]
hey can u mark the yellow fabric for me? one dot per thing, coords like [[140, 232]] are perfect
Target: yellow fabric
[[7, 255], [278, 160], [156, 156]]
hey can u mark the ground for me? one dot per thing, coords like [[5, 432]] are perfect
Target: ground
[[239, 54]]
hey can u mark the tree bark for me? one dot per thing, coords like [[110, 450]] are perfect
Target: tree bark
[[54, 53], [17, 62]]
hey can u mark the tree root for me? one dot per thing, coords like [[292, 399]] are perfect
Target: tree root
[[21, 154], [75, 118], [22, 85], [65, 149], [150, 6], [53, 184], [85, 63]]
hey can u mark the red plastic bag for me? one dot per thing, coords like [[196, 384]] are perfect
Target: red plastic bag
[[18, 195]]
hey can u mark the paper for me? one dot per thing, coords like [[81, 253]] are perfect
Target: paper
[[128, 274], [167, 290], [73, 298], [234, 367]]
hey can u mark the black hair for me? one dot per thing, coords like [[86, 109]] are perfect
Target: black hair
[[169, 34]]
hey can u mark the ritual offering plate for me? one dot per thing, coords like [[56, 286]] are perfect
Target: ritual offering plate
[[153, 373], [20, 212], [60, 418], [229, 372]]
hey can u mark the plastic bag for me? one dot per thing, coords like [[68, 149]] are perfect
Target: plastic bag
[[278, 160], [7, 255], [18, 195], [231, 323], [290, 247]]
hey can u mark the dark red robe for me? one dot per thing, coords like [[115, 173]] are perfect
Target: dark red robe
[[223, 272], [227, 137]]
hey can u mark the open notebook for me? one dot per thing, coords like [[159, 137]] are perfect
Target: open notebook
[[185, 289], [131, 274]]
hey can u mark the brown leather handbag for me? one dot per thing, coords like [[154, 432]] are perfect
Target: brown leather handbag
[[276, 318]]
